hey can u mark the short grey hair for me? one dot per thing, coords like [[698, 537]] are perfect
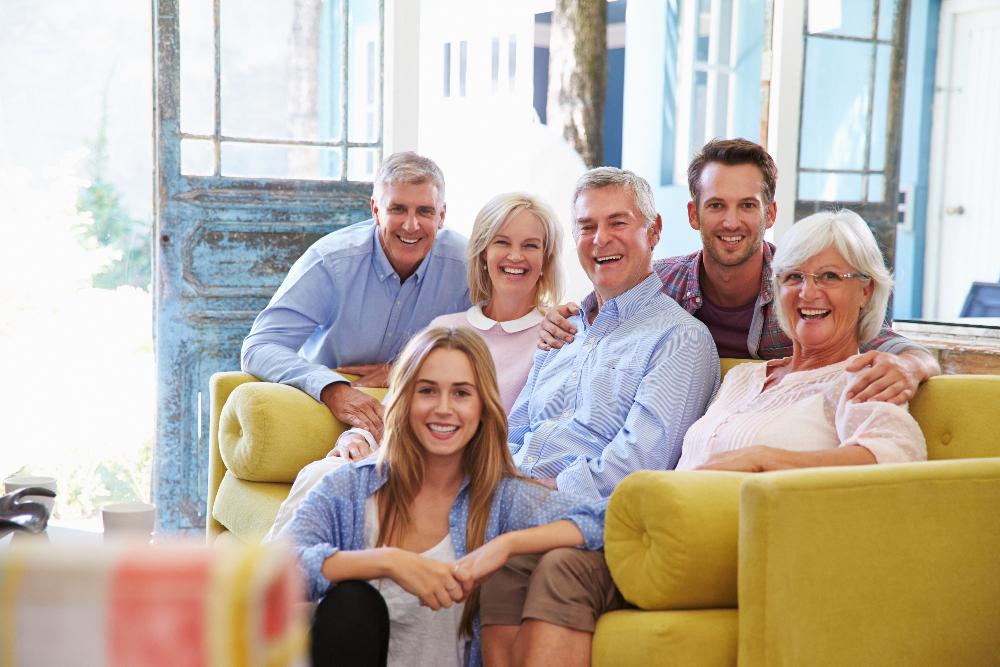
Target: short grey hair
[[603, 177], [411, 168], [850, 235]]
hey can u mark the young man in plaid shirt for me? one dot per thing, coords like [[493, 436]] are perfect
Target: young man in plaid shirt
[[727, 284]]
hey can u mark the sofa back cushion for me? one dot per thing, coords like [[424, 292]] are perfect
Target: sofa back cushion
[[959, 415]]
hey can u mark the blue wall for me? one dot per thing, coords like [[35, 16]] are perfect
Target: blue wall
[[918, 103]]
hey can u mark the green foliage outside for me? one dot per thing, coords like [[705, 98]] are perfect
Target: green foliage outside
[[85, 485], [111, 226]]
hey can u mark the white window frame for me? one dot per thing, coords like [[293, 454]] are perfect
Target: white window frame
[[687, 69], [782, 66]]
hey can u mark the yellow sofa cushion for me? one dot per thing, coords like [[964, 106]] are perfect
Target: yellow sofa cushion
[[874, 565], [671, 536], [706, 638], [247, 509], [268, 431], [959, 416]]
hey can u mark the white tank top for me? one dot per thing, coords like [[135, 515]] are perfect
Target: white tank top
[[418, 635]]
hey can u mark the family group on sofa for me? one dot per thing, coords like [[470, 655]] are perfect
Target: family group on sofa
[[460, 521]]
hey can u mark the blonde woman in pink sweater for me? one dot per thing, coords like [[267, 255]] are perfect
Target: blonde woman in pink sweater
[[514, 275]]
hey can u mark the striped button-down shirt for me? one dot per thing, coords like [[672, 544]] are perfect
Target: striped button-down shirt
[[619, 397], [765, 340]]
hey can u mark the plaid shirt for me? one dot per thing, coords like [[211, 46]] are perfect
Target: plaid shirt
[[765, 339]]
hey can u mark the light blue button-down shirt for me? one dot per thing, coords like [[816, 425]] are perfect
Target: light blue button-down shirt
[[332, 518], [342, 304], [620, 397]]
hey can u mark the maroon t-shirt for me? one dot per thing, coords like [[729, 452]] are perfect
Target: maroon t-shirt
[[730, 327]]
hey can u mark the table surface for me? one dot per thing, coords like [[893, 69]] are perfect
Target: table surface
[[56, 534]]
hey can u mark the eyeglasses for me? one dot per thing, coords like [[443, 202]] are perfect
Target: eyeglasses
[[825, 279]]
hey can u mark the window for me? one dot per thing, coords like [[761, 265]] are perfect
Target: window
[[307, 108], [511, 61], [446, 91], [463, 63], [845, 102], [712, 77], [495, 63]]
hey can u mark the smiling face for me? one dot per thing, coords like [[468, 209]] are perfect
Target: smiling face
[[613, 243], [730, 213], [446, 407], [825, 320], [515, 256], [408, 218]]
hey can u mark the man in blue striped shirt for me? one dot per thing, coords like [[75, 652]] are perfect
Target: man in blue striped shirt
[[619, 398]]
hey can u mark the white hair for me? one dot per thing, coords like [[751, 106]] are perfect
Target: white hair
[[849, 234], [410, 168]]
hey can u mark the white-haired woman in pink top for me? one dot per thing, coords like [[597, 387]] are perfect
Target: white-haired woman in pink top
[[832, 288]]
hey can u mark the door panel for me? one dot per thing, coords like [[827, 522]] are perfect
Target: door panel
[[968, 219], [222, 246]]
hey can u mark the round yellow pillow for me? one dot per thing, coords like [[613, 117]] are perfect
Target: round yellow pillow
[[671, 538], [268, 432]]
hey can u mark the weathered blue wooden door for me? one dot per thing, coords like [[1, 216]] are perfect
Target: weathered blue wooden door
[[267, 125]]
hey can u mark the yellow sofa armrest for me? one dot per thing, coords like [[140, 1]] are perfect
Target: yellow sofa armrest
[[671, 536], [889, 565], [268, 432], [220, 386]]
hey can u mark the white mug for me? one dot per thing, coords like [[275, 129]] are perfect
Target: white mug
[[128, 521], [17, 482]]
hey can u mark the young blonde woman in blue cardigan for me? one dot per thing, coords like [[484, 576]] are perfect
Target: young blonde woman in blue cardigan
[[394, 546]]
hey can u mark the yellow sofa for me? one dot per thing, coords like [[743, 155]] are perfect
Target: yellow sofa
[[881, 565], [875, 565], [261, 435]]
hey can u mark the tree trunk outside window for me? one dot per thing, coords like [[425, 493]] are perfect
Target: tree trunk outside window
[[578, 56]]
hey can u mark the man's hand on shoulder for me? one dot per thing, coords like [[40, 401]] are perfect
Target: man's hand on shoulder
[[892, 378], [353, 407], [369, 375], [556, 330]]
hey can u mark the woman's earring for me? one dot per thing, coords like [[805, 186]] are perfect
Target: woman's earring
[[484, 266]]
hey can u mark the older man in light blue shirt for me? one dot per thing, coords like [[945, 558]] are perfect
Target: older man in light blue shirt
[[358, 294], [616, 400], [620, 397]]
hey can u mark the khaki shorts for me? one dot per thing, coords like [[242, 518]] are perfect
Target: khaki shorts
[[565, 587]]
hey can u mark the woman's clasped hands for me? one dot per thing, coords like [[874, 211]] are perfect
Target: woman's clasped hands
[[433, 581], [440, 584]]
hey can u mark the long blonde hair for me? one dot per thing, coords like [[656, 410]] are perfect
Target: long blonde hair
[[485, 461]]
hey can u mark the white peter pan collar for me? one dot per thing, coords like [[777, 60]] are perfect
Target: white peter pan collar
[[480, 321]]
